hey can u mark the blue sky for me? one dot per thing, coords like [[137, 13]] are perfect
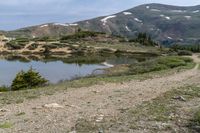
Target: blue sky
[[20, 13]]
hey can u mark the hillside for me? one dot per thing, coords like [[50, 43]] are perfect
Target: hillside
[[165, 23]]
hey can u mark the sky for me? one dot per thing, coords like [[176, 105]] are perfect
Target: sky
[[16, 14]]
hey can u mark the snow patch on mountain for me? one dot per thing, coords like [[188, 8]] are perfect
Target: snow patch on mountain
[[169, 37], [155, 10], [147, 7], [104, 20], [60, 24], [73, 24], [178, 11], [188, 17], [195, 11], [44, 25], [127, 28], [138, 20], [127, 13], [166, 17]]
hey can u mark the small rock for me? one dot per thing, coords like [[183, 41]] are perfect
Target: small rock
[[73, 106], [4, 110], [100, 130], [181, 98], [72, 132], [96, 92], [53, 105], [100, 118], [37, 108]]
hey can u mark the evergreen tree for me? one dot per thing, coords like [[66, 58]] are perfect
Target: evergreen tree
[[27, 80], [144, 39], [19, 82]]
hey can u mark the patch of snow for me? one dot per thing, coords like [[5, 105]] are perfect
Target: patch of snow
[[138, 20], [180, 39], [107, 64], [147, 7], [162, 15], [104, 20], [73, 24], [60, 24], [178, 11], [155, 10], [127, 13], [151, 29], [168, 18], [44, 25], [169, 37], [127, 28], [53, 105], [188, 17], [195, 11]]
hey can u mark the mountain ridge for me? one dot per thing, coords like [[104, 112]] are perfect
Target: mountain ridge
[[165, 23]]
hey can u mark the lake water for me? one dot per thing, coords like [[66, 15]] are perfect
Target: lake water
[[56, 70]]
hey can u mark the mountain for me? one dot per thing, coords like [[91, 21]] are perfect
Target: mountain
[[49, 29], [165, 23]]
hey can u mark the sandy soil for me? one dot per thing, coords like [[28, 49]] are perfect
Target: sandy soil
[[93, 102], [39, 49]]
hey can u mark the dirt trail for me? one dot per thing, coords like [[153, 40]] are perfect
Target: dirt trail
[[93, 102]]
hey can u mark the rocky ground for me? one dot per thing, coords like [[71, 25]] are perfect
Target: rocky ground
[[84, 109]]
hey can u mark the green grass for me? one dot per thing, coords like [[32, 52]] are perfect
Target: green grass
[[6, 125], [124, 47], [157, 64], [196, 118]]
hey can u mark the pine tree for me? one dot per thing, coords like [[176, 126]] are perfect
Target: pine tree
[[19, 82], [27, 80]]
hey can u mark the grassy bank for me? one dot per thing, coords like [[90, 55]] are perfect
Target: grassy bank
[[157, 64]]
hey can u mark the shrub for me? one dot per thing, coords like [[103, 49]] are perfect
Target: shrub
[[197, 118], [44, 39], [80, 35], [22, 40], [33, 46], [194, 123], [27, 80], [171, 61], [47, 50], [15, 45], [160, 63], [144, 39], [184, 52], [4, 89]]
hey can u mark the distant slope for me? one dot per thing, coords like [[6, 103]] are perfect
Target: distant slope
[[49, 29], [164, 23]]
